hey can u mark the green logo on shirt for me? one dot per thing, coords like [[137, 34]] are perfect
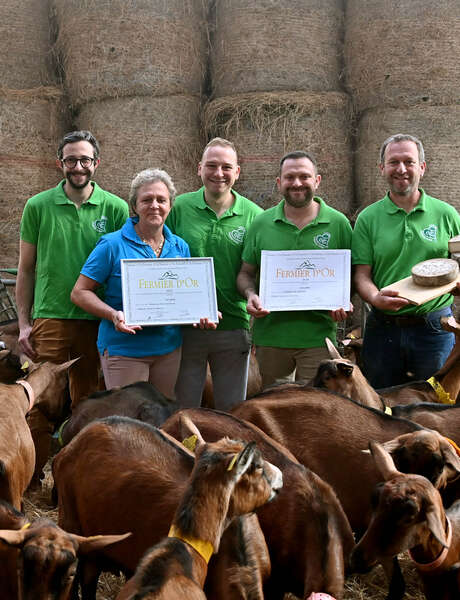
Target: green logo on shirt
[[430, 233], [322, 240], [237, 235], [100, 224]]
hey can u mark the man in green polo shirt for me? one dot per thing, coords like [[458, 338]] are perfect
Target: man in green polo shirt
[[291, 344], [402, 341], [59, 228], [214, 221]]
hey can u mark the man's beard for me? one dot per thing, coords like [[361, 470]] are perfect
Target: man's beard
[[298, 202], [78, 186]]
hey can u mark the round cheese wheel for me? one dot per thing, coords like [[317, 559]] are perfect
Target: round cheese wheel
[[435, 272]]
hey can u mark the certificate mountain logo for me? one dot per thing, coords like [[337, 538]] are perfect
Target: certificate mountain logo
[[322, 240], [430, 233], [169, 275], [237, 235], [100, 225]]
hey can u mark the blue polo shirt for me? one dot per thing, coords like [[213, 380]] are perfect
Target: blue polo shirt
[[104, 266]]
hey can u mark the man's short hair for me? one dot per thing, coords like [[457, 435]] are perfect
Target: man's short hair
[[218, 141], [150, 176], [299, 154], [402, 137], [78, 136]]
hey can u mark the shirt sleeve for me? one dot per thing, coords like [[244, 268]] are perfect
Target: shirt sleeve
[[251, 254], [99, 263], [361, 244], [121, 216], [30, 224]]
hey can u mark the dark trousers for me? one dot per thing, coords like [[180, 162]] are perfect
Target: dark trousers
[[401, 349]]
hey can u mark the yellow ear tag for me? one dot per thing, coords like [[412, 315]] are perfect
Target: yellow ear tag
[[25, 366], [26, 526], [232, 463], [190, 442], [388, 410]]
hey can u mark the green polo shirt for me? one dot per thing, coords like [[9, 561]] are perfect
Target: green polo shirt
[[393, 241], [65, 236], [223, 239], [272, 231]]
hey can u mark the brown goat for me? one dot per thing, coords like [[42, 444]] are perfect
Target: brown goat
[[151, 472], [307, 532], [10, 367], [47, 559], [17, 453], [408, 514], [327, 433], [140, 400], [229, 479]]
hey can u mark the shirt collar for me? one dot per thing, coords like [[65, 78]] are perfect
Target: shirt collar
[[323, 215], [61, 197], [235, 209], [130, 233], [392, 208]]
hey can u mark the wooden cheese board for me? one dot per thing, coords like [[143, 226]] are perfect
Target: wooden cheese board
[[417, 294]]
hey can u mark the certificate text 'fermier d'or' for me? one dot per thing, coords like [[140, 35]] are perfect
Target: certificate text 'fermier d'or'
[[188, 282], [324, 272]]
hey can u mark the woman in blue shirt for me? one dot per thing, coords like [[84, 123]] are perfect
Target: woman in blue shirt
[[134, 353]]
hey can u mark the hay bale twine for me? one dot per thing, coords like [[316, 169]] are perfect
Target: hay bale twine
[[31, 124], [400, 53], [437, 127], [266, 126], [268, 46], [24, 44], [115, 48], [142, 132]]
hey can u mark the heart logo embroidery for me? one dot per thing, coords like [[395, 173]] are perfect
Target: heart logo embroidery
[[100, 224], [237, 235], [430, 233], [322, 240]]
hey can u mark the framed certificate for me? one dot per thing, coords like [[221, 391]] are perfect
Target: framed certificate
[[305, 279], [168, 291]]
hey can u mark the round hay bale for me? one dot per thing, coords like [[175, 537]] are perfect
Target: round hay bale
[[437, 127], [266, 126], [142, 132], [24, 44], [115, 48], [268, 46], [31, 124], [401, 53]]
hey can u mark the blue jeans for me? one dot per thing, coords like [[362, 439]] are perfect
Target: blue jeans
[[394, 354]]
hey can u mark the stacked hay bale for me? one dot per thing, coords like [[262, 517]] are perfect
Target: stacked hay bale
[[31, 119], [134, 74], [275, 69], [403, 70]]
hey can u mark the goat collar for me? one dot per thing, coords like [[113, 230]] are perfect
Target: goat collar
[[29, 391], [386, 409], [441, 558], [204, 549], [443, 396]]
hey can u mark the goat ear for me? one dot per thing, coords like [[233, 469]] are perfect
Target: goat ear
[[346, 368], [97, 542], [435, 523], [68, 364], [383, 460], [13, 537], [243, 459], [333, 352], [188, 429]]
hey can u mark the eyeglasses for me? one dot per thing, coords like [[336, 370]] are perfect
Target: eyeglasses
[[85, 161]]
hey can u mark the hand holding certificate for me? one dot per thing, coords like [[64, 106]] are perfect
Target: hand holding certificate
[[174, 291], [305, 280]]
